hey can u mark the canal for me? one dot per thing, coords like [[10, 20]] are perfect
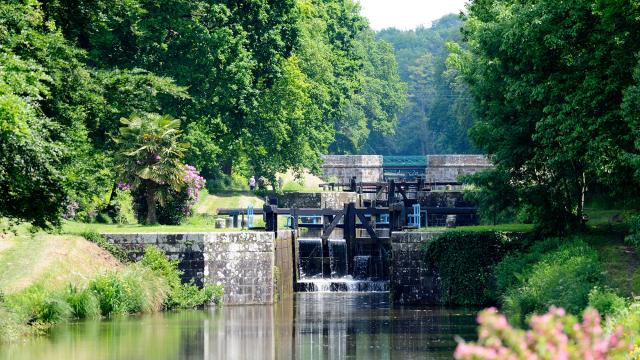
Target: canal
[[309, 326]]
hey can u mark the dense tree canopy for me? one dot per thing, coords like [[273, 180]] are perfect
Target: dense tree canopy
[[259, 87], [555, 97], [437, 116]]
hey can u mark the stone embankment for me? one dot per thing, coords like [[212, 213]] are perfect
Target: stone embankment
[[247, 264]]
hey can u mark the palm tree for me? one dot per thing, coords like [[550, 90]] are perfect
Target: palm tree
[[150, 157]]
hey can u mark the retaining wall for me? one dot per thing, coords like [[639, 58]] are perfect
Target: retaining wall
[[186, 248], [285, 266], [243, 262], [410, 280], [366, 168], [317, 200], [447, 168]]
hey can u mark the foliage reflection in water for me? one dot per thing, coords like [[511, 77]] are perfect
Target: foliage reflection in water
[[310, 326]]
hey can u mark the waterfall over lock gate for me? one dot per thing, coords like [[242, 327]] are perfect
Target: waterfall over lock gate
[[366, 275]]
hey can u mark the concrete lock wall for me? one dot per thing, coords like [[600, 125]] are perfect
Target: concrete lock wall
[[243, 262], [316, 200], [285, 245], [447, 168], [411, 282], [366, 168], [186, 248]]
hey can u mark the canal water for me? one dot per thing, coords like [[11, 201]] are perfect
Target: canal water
[[309, 326]]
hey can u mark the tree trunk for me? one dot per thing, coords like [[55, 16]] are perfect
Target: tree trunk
[[150, 194], [227, 166], [583, 191]]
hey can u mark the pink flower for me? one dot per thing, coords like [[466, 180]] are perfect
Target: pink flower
[[550, 337]]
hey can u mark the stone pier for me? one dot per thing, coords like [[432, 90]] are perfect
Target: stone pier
[[247, 264], [411, 281]]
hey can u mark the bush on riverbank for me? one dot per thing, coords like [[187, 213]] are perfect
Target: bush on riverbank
[[464, 262], [137, 289], [180, 295], [555, 335], [147, 286], [563, 277]]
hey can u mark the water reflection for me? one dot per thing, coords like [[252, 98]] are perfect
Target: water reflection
[[311, 326]]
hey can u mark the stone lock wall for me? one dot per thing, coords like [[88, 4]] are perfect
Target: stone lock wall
[[317, 200], [299, 200], [366, 168], [446, 199], [447, 168], [243, 262], [186, 248], [284, 264], [410, 280]]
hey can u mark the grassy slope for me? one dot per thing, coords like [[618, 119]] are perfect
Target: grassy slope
[[53, 260]]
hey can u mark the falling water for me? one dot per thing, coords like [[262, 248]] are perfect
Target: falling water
[[364, 279]]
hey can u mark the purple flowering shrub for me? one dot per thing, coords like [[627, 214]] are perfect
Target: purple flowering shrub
[[193, 183], [179, 203], [554, 335]]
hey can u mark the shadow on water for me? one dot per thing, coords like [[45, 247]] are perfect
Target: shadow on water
[[309, 326]]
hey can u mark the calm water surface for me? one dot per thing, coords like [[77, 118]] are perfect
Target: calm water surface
[[310, 326]]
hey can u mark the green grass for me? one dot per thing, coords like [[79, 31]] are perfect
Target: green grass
[[209, 203], [72, 227], [484, 228], [602, 216], [620, 261]]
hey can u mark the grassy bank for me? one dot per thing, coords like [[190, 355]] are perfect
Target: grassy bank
[[48, 279], [482, 228], [529, 274]]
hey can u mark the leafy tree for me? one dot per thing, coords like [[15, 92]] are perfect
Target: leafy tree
[[436, 117], [44, 137], [30, 180], [150, 157], [548, 81], [355, 73]]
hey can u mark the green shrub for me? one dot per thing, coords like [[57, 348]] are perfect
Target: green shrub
[[104, 218], [83, 303], [11, 327], [180, 295], [605, 300], [100, 240], [510, 272], [562, 278], [629, 318], [123, 207], [464, 262], [633, 238], [35, 304], [133, 290]]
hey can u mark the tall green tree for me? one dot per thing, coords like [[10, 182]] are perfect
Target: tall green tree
[[150, 157], [437, 115], [44, 75], [548, 80], [357, 73], [30, 179]]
